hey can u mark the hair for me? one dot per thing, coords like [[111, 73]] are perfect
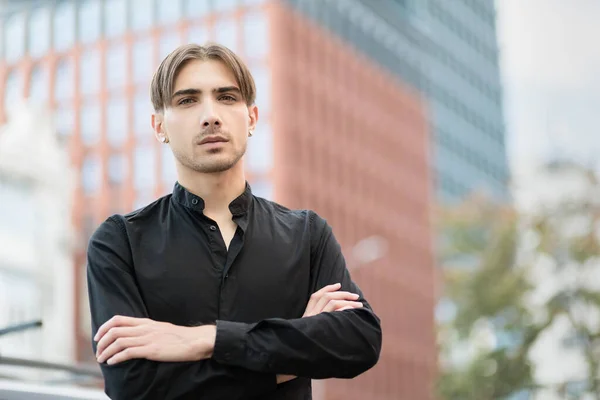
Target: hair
[[163, 81]]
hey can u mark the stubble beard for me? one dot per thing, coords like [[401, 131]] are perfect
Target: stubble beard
[[211, 163]]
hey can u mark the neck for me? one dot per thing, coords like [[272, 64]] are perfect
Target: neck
[[217, 189]]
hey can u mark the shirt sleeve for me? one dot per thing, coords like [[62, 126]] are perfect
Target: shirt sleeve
[[113, 291], [341, 344]]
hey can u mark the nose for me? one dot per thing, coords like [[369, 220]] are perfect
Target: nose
[[212, 121], [210, 118]]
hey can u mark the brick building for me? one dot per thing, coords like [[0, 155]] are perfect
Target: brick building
[[338, 133]]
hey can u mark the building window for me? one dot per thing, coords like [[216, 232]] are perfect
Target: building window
[[89, 72], [13, 91], [262, 81], [168, 42], [90, 18], [169, 171], [117, 168], [226, 32], [256, 37], [142, 115], [17, 205], [143, 61], [91, 174], [63, 121], [197, 8], [143, 198], [39, 32], [38, 90], [197, 34], [89, 122], [262, 188], [116, 122], [14, 36], [63, 86], [226, 5], [169, 11], [141, 17], [144, 167], [117, 23], [260, 150], [116, 66], [64, 25]]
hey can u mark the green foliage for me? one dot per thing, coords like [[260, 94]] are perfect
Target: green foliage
[[489, 287], [484, 279]]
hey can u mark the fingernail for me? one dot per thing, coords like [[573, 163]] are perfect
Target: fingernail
[[110, 361]]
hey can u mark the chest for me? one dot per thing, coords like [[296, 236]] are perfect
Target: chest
[[196, 279]]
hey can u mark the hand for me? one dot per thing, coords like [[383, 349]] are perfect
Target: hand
[[125, 338], [328, 299]]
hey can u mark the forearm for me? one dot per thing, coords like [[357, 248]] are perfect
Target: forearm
[[113, 292], [143, 379], [329, 345]]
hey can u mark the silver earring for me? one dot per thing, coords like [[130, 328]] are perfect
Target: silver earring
[[250, 132], [163, 139]]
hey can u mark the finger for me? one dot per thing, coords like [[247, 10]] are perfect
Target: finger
[[121, 344], [345, 308], [116, 333], [117, 320], [129, 354], [337, 304], [327, 297], [316, 296]]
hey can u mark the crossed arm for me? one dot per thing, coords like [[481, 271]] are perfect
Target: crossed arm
[[139, 355]]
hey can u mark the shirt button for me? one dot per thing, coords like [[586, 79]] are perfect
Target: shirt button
[[213, 228], [194, 201]]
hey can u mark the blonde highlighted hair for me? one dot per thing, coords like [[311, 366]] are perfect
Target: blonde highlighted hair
[[163, 81]]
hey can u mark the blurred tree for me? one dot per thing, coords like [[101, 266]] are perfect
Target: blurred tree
[[509, 277]]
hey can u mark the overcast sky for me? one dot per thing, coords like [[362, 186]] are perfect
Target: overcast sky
[[550, 55]]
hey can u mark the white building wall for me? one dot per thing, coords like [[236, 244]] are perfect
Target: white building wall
[[36, 267]]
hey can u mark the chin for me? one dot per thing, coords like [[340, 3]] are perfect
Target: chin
[[215, 165]]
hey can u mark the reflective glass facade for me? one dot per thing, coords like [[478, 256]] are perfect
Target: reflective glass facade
[[449, 53]]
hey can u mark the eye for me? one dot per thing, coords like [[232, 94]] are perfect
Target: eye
[[187, 100], [228, 98]]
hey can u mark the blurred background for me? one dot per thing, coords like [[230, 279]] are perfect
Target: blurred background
[[450, 143]]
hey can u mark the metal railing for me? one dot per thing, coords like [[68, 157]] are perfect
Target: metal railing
[[12, 389]]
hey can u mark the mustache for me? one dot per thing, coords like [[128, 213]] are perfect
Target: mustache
[[211, 131]]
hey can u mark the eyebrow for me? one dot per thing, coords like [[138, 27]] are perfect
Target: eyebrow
[[192, 91]]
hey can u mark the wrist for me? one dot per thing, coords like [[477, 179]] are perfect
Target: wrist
[[204, 343]]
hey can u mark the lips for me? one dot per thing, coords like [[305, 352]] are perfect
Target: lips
[[213, 139]]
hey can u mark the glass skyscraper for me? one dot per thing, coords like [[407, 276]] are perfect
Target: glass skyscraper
[[448, 51], [363, 105]]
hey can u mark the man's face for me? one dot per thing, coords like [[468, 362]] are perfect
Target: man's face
[[207, 120]]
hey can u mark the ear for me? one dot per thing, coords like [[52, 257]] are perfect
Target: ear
[[252, 117], [157, 126]]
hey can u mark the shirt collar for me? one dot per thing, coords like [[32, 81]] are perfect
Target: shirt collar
[[238, 207]]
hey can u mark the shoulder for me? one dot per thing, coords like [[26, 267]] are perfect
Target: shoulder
[[310, 219], [116, 229]]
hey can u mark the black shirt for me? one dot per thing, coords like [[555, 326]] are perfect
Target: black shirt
[[168, 262]]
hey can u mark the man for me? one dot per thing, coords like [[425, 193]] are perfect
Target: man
[[211, 292]]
